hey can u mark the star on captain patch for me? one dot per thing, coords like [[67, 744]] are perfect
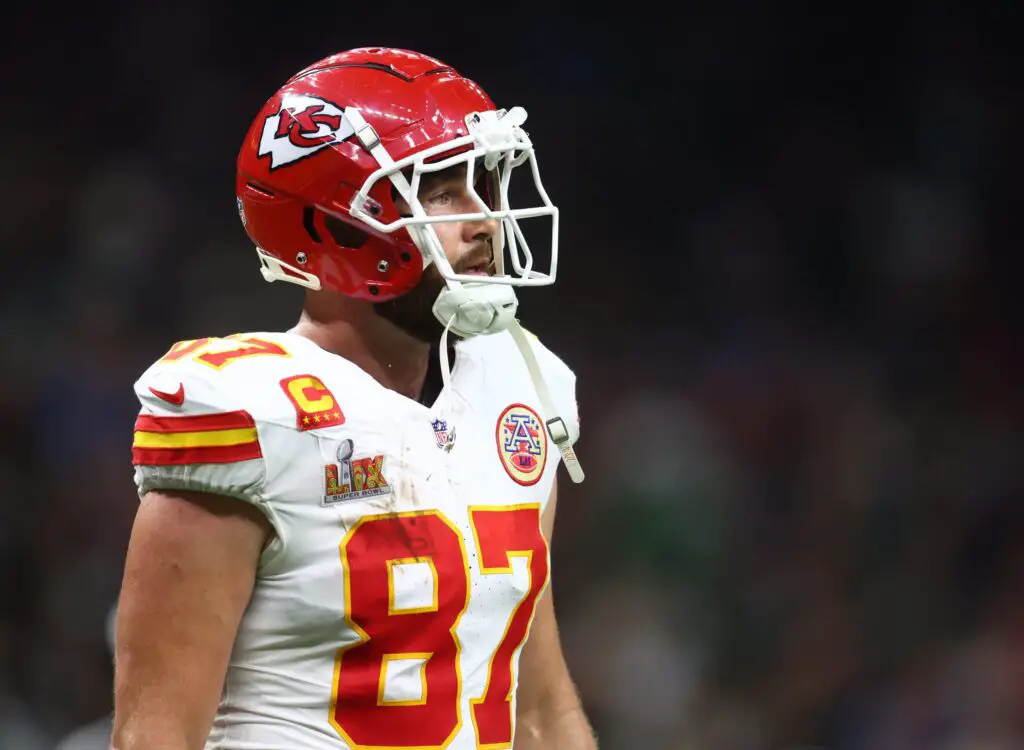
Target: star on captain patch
[[445, 437]]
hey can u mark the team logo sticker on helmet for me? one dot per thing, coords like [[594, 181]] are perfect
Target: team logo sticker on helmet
[[302, 126], [522, 443]]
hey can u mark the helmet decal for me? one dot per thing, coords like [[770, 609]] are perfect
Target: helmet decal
[[302, 126]]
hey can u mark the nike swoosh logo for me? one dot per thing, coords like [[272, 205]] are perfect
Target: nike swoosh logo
[[177, 398]]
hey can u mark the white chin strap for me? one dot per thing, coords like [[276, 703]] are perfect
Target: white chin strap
[[476, 309], [480, 309]]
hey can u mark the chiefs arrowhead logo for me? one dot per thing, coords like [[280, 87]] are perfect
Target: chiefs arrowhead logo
[[303, 125]]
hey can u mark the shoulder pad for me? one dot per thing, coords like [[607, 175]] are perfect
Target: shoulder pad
[[192, 431], [185, 419]]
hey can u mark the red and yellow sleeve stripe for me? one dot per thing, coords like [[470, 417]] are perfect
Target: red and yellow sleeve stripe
[[199, 439]]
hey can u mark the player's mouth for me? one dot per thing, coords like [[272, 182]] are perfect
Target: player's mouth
[[481, 266]]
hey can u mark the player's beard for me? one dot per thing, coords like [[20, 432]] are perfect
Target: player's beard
[[413, 312]]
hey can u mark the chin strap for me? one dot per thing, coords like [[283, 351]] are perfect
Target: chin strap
[[555, 424], [446, 375]]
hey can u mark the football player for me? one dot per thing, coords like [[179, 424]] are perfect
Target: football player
[[344, 529]]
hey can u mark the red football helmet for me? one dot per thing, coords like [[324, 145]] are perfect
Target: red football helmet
[[318, 166]]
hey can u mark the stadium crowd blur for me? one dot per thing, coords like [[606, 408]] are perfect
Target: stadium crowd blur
[[788, 286]]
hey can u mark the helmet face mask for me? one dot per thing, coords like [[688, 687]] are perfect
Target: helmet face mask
[[498, 145], [342, 137]]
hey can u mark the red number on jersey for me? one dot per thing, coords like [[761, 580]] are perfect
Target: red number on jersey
[[218, 353], [423, 637], [183, 349], [501, 534], [251, 347]]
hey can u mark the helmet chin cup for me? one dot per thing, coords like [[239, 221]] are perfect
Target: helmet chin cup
[[478, 308]]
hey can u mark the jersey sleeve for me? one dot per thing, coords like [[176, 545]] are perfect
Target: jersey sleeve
[[193, 434]]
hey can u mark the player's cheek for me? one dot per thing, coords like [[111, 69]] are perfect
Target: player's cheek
[[450, 235]]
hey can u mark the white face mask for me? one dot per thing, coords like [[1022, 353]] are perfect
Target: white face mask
[[496, 141]]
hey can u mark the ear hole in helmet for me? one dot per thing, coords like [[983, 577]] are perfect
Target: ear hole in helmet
[[344, 233], [307, 224]]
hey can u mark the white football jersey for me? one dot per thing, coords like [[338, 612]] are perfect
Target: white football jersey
[[390, 609]]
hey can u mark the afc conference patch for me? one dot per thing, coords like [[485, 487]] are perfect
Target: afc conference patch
[[522, 443]]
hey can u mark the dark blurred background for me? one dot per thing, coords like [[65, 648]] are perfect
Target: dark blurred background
[[788, 286]]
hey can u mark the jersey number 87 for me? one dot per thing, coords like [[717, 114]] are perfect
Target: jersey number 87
[[360, 710]]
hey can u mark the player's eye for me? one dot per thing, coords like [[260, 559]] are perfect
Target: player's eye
[[440, 198]]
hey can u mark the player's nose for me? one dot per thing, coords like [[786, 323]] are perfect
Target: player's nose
[[480, 230]]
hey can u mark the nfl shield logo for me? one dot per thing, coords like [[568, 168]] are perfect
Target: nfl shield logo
[[444, 437]]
